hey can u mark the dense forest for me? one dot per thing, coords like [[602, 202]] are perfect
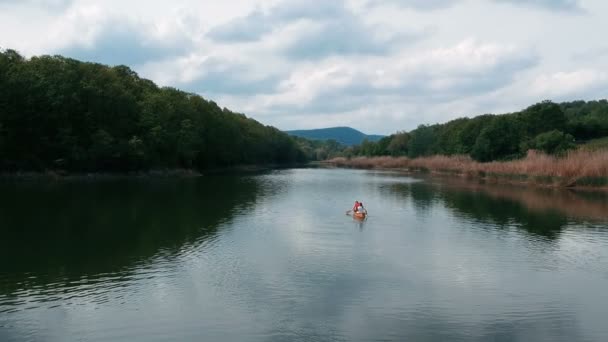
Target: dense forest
[[549, 127], [60, 113]]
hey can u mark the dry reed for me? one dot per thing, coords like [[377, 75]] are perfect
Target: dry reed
[[579, 167]]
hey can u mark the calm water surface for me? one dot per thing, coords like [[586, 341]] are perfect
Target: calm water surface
[[273, 257]]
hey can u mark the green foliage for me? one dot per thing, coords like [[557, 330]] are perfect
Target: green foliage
[[553, 142], [500, 139], [542, 117], [398, 144], [421, 141], [321, 149], [587, 120], [545, 126], [59, 112], [469, 132]]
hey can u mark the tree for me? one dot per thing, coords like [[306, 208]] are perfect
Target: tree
[[421, 142], [59, 112], [399, 143], [499, 140], [553, 142], [543, 117]]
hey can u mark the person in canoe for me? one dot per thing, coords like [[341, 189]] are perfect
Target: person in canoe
[[355, 207], [361, 209], [358, 210]]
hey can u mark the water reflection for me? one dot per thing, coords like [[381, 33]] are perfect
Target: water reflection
[[58, 234], [274, 258], [543, 212]]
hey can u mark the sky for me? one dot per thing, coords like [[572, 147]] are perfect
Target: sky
[[377, 66]]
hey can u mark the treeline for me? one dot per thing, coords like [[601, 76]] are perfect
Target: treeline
[[60, 113], [315, 149], [546, 126]]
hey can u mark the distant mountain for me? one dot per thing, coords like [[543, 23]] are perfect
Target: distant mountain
[[344, 135]]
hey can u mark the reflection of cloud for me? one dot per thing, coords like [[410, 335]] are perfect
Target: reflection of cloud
[[431, 324], [292, 266]]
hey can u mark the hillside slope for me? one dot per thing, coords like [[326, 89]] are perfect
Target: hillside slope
[[344, 135], [60, 113]]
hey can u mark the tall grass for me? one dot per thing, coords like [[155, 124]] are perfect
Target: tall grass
[[596, 144], [580, 167]]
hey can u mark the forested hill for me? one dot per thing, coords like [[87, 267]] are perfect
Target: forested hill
[[60, 113], [344, 135], [546, 126]]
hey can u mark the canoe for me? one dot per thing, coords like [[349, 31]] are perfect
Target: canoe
[[360, 216]]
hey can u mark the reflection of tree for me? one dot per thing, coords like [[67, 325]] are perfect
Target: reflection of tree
[[542, 212], [504, 210], [422, 196], [66, 231]]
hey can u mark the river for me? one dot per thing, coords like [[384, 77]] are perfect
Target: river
[[272, 256]]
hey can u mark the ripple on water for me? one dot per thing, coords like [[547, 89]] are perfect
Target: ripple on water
[[286, 264]]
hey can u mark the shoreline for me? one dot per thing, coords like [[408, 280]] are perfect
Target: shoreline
[[583, 170], [65, 175], [59, 175]]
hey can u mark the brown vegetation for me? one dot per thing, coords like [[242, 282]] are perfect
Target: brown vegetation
[[576, 168]]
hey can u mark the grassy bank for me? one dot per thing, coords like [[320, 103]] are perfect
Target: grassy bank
[[577, 168]]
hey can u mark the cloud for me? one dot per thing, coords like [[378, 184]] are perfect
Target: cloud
[[293, 63], [48, 4], [442, 74], [214, 75], [120, 45], [424, 5], [258, 23], [579, 83], [343, 36], [393, 92], [313, 30], [246, 29], [92, 34], [427, 5], [217, 77], [557, 5]]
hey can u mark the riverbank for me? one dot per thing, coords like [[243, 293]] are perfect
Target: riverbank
[[154, 173], [65, 175], [580, 168]]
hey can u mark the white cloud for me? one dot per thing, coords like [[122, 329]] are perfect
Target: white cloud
[[557, 5], [579, 83], [422, 76], [47, 4], [95, 33], [416, 4]]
